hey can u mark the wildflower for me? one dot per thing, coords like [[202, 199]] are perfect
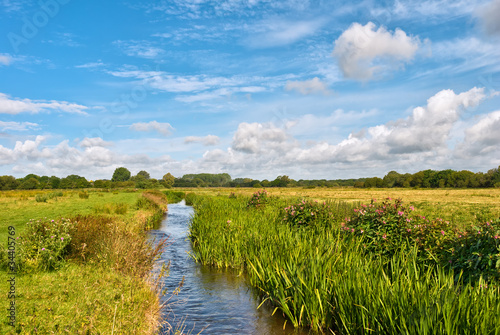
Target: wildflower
[[43, 249], [228, 221], [442, 232], [62, 238], [362, 231], [412, 208], [52, 237], [384, 236], [400, 213]]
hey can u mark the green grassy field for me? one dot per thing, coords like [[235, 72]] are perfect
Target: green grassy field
[[103, 288], [321, 276]]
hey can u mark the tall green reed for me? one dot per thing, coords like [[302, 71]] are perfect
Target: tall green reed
[[325, 280]]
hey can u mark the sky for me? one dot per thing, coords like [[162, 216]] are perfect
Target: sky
[[254, 88]]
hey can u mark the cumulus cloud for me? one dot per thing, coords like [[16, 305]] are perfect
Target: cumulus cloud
[[9, 105], [313, 86], [205, 140], [364, 52], [5, 59], [489, 15], [93, 142], [254, 137], [163, 128], [481, 139]]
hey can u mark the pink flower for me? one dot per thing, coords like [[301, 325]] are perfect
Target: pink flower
[[43, 249], [442, 232], [384, 236], [62, 238], [400, 213], [228, 221]]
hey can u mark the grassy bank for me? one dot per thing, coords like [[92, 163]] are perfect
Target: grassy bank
[[373, 279], [87, 273]]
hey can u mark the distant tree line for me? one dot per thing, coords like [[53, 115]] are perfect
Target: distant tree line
[[123, 178]]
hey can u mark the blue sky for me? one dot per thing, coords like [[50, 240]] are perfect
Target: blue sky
[[254, 88]]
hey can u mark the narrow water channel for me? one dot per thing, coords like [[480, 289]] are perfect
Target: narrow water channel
[[215, 301]]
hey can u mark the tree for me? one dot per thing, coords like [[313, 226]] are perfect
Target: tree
[[142, 175], [8, 183], [168, 180], [121, 174]]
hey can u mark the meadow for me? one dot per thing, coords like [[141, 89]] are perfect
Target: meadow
[[338, 262], [83, 261]]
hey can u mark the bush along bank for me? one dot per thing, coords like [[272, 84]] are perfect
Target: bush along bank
[[88, 274], [355, 269]]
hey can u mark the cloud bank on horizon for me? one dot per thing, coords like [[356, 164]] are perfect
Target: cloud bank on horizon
[[252, 88]]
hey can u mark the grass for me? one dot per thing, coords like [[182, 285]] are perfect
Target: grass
[[81, 299], [319, 278], [104, 284]]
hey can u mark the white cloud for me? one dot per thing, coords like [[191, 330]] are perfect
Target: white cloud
[[489, 15], [164, 129], [277, 33], [14, 106], [18, 126], [481, 139], [5, 59], [253, 137], [90, 65], [93, 142], [142, 49], [364, 53], [313, 86], [206, 140]]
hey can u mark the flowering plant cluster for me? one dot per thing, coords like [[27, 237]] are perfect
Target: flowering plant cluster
[[476, 250], [259, 199], [390, 226], [45, 244], [308, 213]]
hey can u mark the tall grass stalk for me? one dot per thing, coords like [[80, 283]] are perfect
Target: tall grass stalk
[[321, 279]]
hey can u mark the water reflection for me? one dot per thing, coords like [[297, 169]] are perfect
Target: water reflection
[[215, 301]]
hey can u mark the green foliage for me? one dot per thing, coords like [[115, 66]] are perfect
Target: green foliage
[[168, 180], [41, 198], [44, 244], [349, 283], [174, 196], [310, 213], [121, 174], [258, 200], [83, 195]]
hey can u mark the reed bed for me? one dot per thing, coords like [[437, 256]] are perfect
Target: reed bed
[[323, 279]]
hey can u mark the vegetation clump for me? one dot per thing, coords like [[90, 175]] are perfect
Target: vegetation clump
[[258, 200]]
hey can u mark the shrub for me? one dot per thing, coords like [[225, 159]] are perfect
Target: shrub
[[384, 227], [308, 213], [259, 199], [41, 198], [44, 244], [83, 195], [475, 251]]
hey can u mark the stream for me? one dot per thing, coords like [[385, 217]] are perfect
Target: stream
[[211, 301]]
